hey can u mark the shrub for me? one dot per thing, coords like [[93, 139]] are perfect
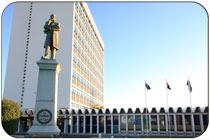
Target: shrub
[[10, 115], [97, 106]]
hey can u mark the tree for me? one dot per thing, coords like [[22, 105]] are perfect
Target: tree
[[97, 106], [10, 115]]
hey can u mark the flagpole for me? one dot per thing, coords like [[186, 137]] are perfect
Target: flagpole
[[168, 111], [146, 109], [193, 125]]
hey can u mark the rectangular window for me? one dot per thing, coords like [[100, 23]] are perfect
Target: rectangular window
[[162, 123], [188, 122], [108, 124], [94, 124], [146, 122], [115, 124], [130, 122], [81, 124], [154, 122], [171, 122], [101, 124], [205, 121], [138, 123], [122, 123], [74, 124], [197, 122], [87, 124]]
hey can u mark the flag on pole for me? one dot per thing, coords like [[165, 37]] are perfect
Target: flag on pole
[[147, 86], [167, 85], [189, 86]]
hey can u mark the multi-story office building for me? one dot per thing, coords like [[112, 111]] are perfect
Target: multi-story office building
[[81, 54]]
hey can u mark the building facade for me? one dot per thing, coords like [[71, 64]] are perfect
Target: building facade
[[81, 54], [119, 122]]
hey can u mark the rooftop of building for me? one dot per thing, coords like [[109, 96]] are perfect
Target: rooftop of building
[[153, 110], [93, 23]]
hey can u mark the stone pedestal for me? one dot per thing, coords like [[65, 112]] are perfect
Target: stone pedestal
[[45, 116]]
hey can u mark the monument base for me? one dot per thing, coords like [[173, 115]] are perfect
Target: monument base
[[45, 116], [44, 131]]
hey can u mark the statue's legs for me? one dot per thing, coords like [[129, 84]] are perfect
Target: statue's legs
[[47, 51], [53, 51]]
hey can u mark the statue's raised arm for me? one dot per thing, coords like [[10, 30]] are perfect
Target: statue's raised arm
[[51, 29]]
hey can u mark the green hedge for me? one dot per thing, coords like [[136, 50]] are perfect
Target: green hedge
[[10, 115]]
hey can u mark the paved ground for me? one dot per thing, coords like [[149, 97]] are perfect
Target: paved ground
[[106, 136], [81, 136], [18, 136], [97, 136]]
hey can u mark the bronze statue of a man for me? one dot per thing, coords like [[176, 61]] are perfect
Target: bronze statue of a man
[[51, 28]]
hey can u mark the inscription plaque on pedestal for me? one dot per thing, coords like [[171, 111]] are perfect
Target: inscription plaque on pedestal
[[44, 116]]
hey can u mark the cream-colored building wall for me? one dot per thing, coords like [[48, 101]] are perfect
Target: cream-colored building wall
[[16, 56], [40, 14]]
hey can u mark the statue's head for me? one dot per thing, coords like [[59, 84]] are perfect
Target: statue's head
[[53, 16]]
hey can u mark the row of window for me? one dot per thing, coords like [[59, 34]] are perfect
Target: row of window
[[86, 37], [85, 60], [87, 65], [92, 71], [86, 87], [80, 101], [85, 73], [85, 83], [78, 106], [81, 41], [91, 91], [85, 47], [83, 99], [88, 25], [26, 55], [139, 122], [87, 77], [78, 51], [80, 85]]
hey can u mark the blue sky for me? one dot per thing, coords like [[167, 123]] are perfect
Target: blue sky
[[6, 29], [147, 41]]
